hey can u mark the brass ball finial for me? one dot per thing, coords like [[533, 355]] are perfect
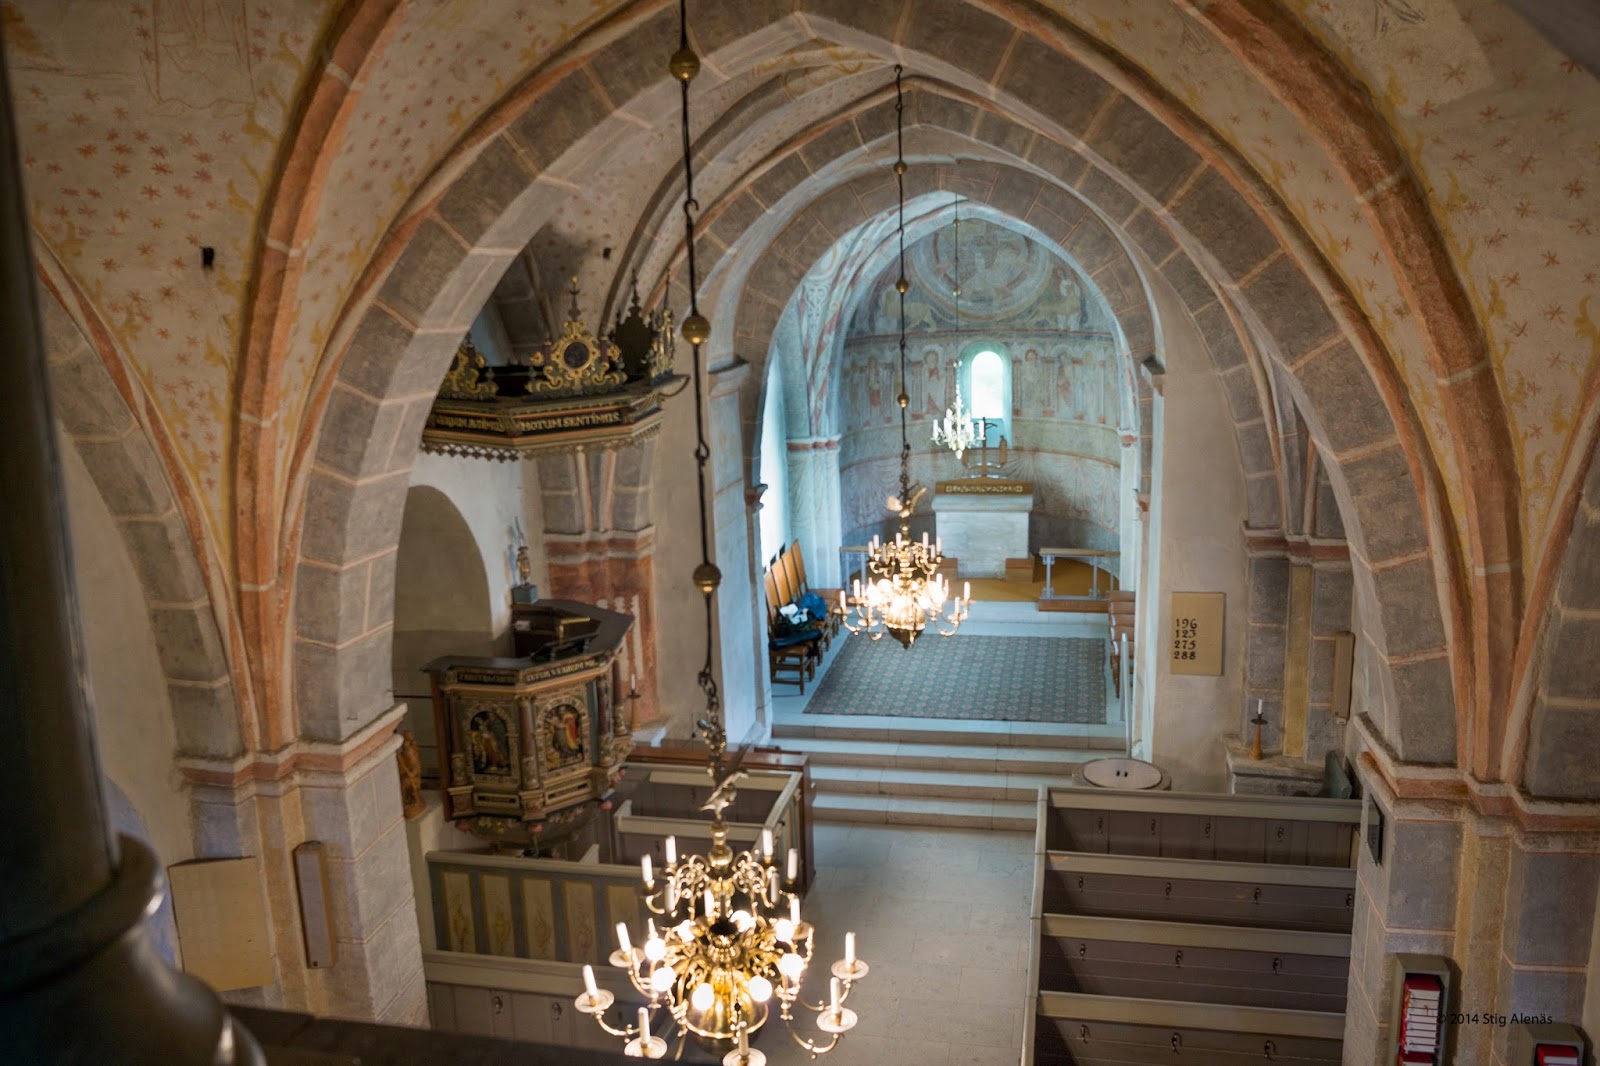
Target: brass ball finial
[[899, 166], [902, 286], [696, 330], [706, 578], [684, 64], [903, 400]]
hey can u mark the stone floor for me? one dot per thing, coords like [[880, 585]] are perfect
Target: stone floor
[[941, 916]]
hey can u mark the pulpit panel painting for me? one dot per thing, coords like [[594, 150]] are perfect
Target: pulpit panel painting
[[491, 742], [564, 728]]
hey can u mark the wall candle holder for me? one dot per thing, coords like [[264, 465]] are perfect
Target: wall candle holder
[[1259, 720]]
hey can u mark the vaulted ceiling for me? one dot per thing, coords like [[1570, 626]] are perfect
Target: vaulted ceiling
[[1396, 189]]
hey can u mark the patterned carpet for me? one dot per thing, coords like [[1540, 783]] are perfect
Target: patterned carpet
[[1004, 679]]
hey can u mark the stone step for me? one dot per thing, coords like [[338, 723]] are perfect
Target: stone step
[[918, 755], [999, 815], [948, 731], [933, 784]]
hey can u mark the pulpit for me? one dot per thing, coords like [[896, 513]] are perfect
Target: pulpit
[[983, 521], [531, 746]]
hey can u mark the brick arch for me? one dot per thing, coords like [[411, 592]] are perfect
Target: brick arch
[[95, 404], [1157, 162]]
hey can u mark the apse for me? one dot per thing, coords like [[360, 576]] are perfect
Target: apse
[[980, 282]]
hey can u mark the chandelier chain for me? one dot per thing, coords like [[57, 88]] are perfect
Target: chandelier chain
[[900, 182], [706, 577]]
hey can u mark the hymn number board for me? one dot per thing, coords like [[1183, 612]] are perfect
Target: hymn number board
[[1196, 635]]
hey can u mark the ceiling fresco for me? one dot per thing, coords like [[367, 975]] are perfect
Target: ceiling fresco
[[151, 130], [1504, 133], [143, 141]]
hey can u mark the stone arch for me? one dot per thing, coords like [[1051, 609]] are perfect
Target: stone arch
[[1056, 214], [1249, 286], [467, 221], [96, 415], [1561, 727]]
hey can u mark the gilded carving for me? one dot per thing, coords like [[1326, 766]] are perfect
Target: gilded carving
[[575, 363], [469, 377]]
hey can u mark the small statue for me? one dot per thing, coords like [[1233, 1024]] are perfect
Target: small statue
[[409, 761], [524, 566]]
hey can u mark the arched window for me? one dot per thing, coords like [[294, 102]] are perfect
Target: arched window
[[988, 388]]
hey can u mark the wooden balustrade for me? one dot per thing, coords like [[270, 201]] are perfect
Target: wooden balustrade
[[567, 912]]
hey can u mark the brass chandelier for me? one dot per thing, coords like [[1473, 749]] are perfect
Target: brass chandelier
[[730, 946], [904, 592], [959, 429]]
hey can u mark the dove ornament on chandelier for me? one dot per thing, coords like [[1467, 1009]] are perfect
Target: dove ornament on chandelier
[[725, 946], [904, 593]]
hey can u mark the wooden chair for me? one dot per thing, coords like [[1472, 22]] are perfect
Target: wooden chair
[[795, 566], [792, 655]]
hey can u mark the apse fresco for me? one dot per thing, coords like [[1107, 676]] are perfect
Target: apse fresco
[[1027, 303], [1006, 280]]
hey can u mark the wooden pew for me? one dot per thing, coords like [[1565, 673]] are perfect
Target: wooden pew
[[1192, 963], [1257, 895], [1189, 923], [1071, 1029], [767, 799], [684, 754], [1193, 825]]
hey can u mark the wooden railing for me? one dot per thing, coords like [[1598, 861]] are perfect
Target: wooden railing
[[567, 912]]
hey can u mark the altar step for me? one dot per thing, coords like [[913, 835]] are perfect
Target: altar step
[[927, 772]]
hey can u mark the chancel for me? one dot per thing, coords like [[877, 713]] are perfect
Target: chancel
[[428, 426]]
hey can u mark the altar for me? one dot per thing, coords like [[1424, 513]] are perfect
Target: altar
[[982, 522]]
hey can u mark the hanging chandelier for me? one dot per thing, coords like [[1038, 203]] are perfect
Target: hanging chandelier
[[730, 947], [959, 429], [904, 592]]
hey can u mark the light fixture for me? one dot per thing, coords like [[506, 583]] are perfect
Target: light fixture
[[731, 945], [904, 592], [958, 430]]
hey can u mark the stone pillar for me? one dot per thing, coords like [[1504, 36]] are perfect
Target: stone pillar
[[814, 506], [1503, 887], [345, 795], [79, 978], [600, 546], [1267, 642], [731, 550], [1332, 594]]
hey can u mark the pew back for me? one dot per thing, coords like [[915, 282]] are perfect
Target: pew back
[[1073, 1029], [1263, 829], [1256, 895], [1185, 962]]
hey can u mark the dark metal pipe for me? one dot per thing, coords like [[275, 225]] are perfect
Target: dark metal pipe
[[56, 848], [79, 979]]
